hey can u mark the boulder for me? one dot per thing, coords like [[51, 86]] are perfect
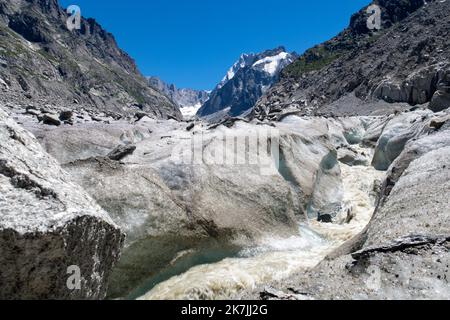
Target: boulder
[[66, 115], [441, 98], [49, 226], [121, 152], [351, 157], [440, 101], [51, 120]]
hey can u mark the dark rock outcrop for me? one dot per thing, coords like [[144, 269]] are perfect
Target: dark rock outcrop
[[121, 152]]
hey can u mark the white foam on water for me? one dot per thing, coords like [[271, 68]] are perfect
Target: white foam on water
[[358, 186], [226, 278]]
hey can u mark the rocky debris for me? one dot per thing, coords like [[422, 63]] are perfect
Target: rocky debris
[[32, 110], [403, 63], [325, 218], [402, 244], [97, 119], [227, 122], [190, 127], [273, 294], [66, 115], [121, 152], [48, 224], [140, 115], [47, 62], [30, 115], [418, 88], [51, 120], [440, 101], [441, 98]]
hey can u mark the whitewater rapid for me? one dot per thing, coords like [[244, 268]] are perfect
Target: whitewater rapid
[[276, 258]]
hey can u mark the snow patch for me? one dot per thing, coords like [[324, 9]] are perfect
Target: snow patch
[[271, 65]]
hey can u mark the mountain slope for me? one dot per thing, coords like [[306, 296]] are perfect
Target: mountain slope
[[246, 81], [407, 61], [189, 100], [41, 61]]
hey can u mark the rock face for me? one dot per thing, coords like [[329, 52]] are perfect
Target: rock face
[[404, 253], [246, 82], [188, 100], [362, 71], [48, 224], [121, 152], [42, 61]]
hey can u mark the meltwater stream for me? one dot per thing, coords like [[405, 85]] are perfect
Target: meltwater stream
[[276, 258]]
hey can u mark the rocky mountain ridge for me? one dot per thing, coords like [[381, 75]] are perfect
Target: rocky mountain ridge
[[245, 82], [188, 100], [362, 71], [42, 62]]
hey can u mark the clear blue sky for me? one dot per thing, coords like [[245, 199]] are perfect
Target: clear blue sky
[[192, 43]]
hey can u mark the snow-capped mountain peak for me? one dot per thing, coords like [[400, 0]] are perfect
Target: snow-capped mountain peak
[[245, 60], [273, 64], [246, 81]]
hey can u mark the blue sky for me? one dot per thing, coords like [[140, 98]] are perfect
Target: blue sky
[[192, 43]]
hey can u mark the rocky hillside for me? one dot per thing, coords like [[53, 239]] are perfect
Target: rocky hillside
[[246, 81], [362, 71], [189, 100], [42, 62], [48, 224]]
